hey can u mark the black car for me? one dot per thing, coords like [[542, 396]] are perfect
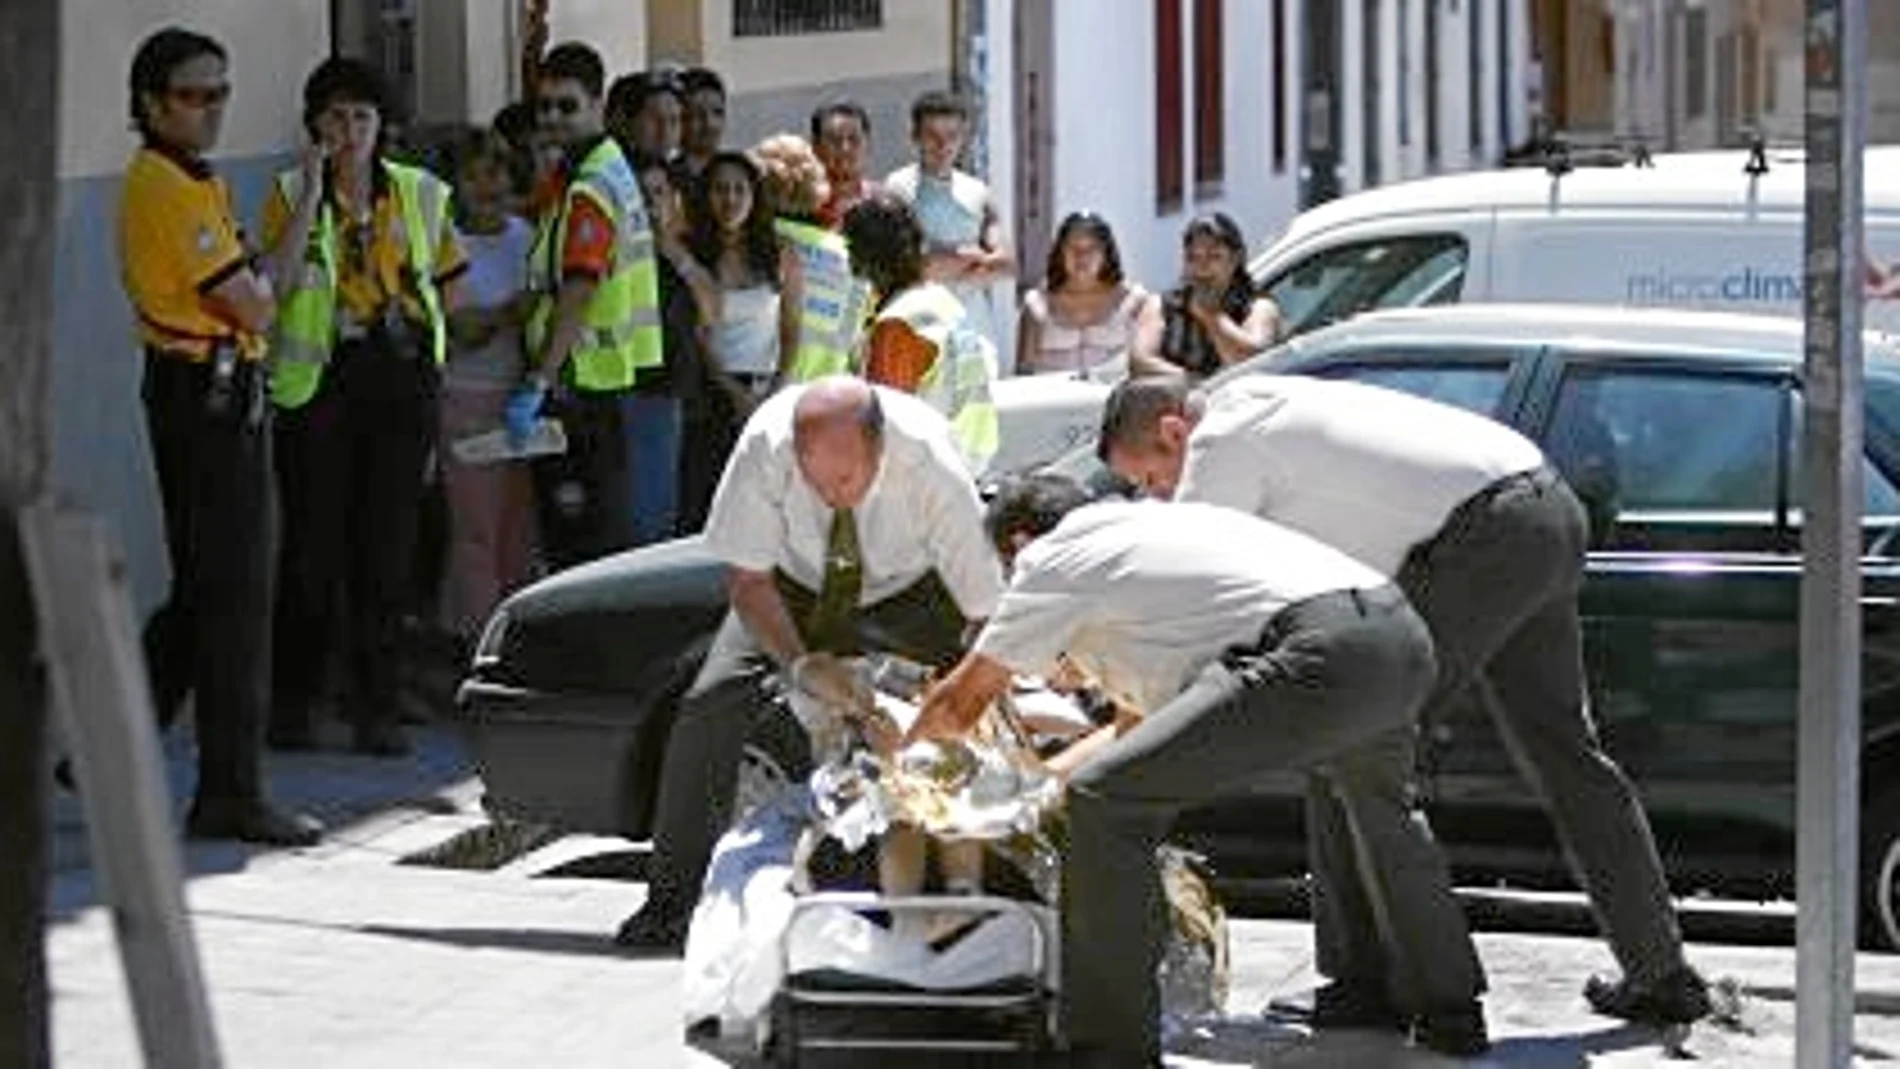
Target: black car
[[1680, 430]]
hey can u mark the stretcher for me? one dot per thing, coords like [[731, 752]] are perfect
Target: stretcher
[[801, 959], [1002, 1001]]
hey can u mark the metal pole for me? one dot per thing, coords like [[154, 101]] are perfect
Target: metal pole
[[1826, 854]]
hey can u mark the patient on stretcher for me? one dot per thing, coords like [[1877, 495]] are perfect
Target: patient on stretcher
[[946, 820], [928, 806]]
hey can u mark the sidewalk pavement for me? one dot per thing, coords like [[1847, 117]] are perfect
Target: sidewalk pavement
[[339, 955]]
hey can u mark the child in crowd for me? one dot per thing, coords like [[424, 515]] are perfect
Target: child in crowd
[[491, 506]]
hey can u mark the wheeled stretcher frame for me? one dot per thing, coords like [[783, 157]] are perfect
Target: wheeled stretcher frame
[[818, 1014]]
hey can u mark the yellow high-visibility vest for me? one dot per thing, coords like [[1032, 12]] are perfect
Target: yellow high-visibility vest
[[831, 314], [305, 331], [958, 382], [622, 321]]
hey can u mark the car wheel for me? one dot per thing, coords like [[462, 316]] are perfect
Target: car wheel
[[775, 756], [1880, 872]]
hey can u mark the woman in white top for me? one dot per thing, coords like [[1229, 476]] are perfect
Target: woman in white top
[[1082, 322], [732, 238], [491, 506]]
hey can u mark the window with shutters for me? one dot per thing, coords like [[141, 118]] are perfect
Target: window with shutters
[[788, 18], [1170, 128], [1210, 105]]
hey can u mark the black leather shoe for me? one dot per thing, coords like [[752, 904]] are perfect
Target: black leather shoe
[[652, 930], [251, 822], [1680, 997], [1458, 1032], [1345, 1005], [380, 739]]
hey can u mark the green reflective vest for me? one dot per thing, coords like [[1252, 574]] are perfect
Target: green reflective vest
[[831, 314], [958, 383], [621, 332], [305, 331]]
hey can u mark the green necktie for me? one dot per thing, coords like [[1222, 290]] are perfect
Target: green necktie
[[833, 618]]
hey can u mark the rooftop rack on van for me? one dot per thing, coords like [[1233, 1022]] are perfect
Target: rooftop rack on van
[[1560, 153]]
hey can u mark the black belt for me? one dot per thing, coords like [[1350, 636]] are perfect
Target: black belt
[[1538, 479], [1322, 610], [230, 384]]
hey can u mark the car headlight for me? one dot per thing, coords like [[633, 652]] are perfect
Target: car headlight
[[494, 634]]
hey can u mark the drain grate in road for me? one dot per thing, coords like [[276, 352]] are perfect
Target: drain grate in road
[[485, 848]]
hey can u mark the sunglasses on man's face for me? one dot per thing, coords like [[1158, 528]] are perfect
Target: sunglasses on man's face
[[561, 105], [199, 96]]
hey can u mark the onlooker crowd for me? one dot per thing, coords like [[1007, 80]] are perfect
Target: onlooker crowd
[[551, 336]]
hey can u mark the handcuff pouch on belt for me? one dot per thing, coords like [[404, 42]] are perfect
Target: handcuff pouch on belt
[[235, 387]]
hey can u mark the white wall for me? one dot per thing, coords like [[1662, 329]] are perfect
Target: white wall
[[1105, 121], [271, 48], [1280, 191], [1103, 118], [1452, 94], [915, 38], [492, 45], [617, 29], [1352, 91]]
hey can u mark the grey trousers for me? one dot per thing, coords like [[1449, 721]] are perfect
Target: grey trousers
[[1328, 677], [729, 698], [1498, 588]]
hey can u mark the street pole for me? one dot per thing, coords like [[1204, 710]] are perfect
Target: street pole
[[1828, 791], [29, 69]]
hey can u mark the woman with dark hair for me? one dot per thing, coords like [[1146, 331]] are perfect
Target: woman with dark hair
[[1082, 322], [365, 254], [732, 241], [1215, 317], [732, 237]]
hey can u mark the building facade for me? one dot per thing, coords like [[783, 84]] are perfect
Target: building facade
[[1696, 74], [1151, 111]]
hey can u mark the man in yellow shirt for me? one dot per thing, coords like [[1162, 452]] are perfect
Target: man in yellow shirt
[[202, 310], [364, 254]]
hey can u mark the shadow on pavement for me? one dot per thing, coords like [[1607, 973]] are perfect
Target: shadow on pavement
[[1565, 1050], [537, 941], [333, 785]]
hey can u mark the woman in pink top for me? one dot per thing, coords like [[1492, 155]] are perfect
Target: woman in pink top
[[1082, 321]]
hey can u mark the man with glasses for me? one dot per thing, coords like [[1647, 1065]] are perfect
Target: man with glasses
[[202, 313], [594, 330]]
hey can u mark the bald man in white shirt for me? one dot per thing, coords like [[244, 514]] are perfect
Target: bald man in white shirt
[[1250, 648], [848, 524], [1488, 543]]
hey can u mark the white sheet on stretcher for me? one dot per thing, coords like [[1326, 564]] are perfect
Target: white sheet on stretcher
[[736, 948]]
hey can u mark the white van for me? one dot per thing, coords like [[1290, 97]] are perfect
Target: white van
[[1689, 230]]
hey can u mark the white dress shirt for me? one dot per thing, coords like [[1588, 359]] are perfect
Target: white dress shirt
[[1370, 470], [1142, 594], [921, 513]]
